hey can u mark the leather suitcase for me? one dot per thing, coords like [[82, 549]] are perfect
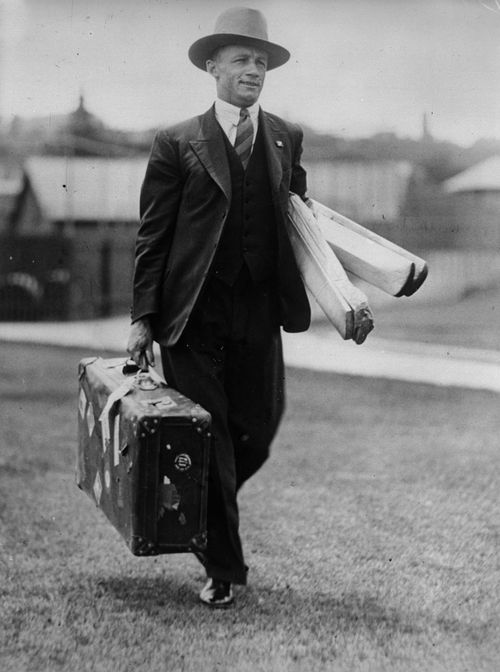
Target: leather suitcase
[[143, 451]]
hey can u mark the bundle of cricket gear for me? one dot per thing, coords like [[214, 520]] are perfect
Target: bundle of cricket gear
[[327, 244]]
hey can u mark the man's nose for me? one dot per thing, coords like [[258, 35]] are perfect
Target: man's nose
[[253, 69]]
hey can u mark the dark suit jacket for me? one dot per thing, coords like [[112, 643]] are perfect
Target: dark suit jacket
[[184, 203]]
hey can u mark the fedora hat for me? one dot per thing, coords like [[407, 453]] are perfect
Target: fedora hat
[[238, 25]]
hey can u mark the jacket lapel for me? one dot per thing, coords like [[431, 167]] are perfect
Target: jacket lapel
[[209, 148], [273, 139]]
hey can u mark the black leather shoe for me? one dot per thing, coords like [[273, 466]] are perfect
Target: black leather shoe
[[217, 594]]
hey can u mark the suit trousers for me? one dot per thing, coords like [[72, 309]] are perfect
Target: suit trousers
[[229, 360]]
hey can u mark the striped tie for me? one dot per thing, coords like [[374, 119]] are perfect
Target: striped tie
[[244, 137]]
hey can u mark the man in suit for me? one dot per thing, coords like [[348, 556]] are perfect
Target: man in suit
[[215, 276]]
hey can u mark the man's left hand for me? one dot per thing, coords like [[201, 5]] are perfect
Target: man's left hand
[[363, 325]]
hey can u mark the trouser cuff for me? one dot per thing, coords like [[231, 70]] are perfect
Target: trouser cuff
[[231, 575]]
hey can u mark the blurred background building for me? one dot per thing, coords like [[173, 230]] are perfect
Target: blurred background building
[[69, 212]]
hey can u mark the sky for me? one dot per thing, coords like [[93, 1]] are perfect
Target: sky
[[358, 67]]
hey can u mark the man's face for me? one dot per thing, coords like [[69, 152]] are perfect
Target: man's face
[[239, 74]]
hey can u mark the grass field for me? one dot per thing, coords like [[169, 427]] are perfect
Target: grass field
[[372, 535]]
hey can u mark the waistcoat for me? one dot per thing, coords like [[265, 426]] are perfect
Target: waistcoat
[[249, 235]]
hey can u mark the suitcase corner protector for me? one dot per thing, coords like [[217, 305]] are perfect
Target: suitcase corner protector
[[141, 547], [199, 542]]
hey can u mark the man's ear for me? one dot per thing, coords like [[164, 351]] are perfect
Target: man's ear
[[211, 67]]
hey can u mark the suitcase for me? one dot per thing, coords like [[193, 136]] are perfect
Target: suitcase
[[143, 451]]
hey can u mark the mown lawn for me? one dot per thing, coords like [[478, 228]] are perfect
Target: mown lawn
[[372, 535]]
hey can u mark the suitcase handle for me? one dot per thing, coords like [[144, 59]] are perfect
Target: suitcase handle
[[130, 367]]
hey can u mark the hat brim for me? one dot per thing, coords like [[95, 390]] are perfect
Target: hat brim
[[203, 49]]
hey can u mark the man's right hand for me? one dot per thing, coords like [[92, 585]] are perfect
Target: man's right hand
[[140, 344]]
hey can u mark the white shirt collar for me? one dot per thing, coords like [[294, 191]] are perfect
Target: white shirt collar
[[227, 113]]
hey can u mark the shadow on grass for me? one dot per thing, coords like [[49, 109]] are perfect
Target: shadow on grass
[[268, 608], [263, 608], [320, 610], [147, 594]]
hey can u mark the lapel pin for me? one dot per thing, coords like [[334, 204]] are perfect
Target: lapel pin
[[279, 143]]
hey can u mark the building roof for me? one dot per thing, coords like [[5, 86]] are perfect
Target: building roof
[[101, 189], [484, 176], [87, 188]]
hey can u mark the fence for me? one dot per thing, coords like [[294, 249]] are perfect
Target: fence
[[59, 278], [102, 274], [86, 277], [34, 277]]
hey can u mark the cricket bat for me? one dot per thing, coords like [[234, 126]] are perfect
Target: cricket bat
[[375, 261]]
